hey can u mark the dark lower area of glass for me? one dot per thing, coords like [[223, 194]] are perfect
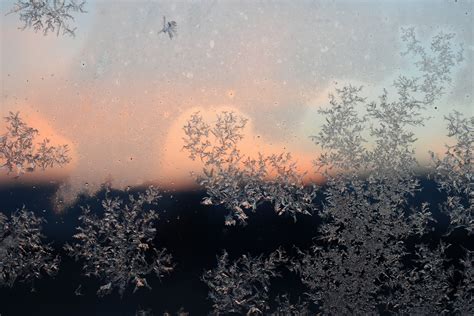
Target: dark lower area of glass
[[194, 234]]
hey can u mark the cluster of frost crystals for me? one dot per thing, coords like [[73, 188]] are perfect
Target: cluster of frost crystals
[[239, 182], [434, 65], [437, 284], [391, 163], [341, 136], [364, 223], [149, 312], [144, 312], [454, 172], [427, 286], [24, 256], [357, 261], [118, 247], [357, 265], [242, 286], [19, 154], [464, 295], [285, 307], [48, 15], [180, 312]]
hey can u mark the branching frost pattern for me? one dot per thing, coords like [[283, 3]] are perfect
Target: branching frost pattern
[[239, 182], [118, 247], [48, 15], [242, 286], [356, 266], [19, 154], [24, 256]]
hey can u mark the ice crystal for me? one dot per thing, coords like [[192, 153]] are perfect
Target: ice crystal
[[48, 15], [435, 64], [454, 172], [19, 154], [357, 264], [341, 136], [285, 307], [169, 28], [239, 182], [144, 312], [242, 286], [118, 247], [464, 296], [427, 286], [431, 286], [180, 312], [24, 256]]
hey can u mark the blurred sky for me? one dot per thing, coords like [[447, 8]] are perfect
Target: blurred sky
[[119, 93]]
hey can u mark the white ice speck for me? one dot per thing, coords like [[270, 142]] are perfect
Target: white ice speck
[[211, 44]]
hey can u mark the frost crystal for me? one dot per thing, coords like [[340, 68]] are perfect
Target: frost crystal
[[437, 283], [285, 307], [180, 312], [435, 65], [238, 182], [19, 154], [144, 312], [169, 28], [118, 247], [464, 296], [357, 264], [242, 286], [23, 255], [454, 172], [48, 15]]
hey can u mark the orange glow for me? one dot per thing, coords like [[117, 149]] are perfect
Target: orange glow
[[46, 130], [176, 164]]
